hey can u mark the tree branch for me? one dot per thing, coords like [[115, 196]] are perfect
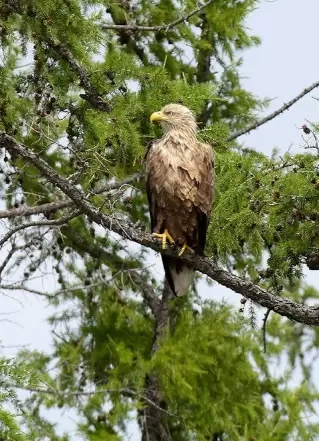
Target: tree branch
[[148, 292], [63, 394], [54, 206], [91, 95], [299, 312], [274, 114], [37, 209], [164, 27], [16, 287], [60, 221], [154, 425], [7, 260], [22, 287]]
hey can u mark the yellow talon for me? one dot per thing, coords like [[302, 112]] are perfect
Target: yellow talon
[[165, 237], [185, 247]]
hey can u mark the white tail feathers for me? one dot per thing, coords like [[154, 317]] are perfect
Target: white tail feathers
[[182, 277]]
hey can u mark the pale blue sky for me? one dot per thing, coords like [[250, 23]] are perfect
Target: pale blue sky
[[285, 63]]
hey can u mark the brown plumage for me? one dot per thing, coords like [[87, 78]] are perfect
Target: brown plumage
[[179, 183]]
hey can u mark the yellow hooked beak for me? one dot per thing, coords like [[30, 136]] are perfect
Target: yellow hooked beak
[[157, 116]]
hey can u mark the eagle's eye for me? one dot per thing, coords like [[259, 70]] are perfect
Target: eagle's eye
[[169, 113]]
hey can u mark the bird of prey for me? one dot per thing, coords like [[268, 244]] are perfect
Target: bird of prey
[[179, 185]]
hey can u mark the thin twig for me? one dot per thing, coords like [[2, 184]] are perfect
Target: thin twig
[[124, 391], [274, 114], [267, 313], [16, 287], [163, 27], [147, 290], [7, 260], [47, 223]]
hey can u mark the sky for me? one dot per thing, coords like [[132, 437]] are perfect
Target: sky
[[286, 62]]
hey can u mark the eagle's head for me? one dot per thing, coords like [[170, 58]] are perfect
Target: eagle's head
[[175, 117]]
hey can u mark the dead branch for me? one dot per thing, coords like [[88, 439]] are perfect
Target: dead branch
[[22, 287]]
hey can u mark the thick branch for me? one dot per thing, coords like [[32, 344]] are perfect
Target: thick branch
[[154, 424], [164, 27], [274, 114], [285, 307]]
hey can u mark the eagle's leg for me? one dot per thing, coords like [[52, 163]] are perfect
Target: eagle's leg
[[185, 247], [165, 237]]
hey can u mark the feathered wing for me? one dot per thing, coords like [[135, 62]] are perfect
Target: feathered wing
[[204, 196], [153, 209], [198, 190], [180, 192]]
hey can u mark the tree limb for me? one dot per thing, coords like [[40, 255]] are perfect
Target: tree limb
[[164, 27], [299, 312], [147, 290], [63, 394], [53, 206], [55, 222], [7, 260], [274, 114], [91, 95], [154, 424], [22, 287], [267, 313], [126, 38]]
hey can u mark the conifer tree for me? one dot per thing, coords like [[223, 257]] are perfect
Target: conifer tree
[[79, 81]]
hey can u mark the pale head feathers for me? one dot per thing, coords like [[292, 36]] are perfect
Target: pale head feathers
[[175, 117]]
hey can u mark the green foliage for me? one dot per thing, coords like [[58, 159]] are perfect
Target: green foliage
[[206, 354], [14, 374], [80, 96], [271, 205]]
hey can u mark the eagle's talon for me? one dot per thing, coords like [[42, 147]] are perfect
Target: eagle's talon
[[165, 237], [185, 247]]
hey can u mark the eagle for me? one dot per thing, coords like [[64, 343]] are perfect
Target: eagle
[[179, 186]]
